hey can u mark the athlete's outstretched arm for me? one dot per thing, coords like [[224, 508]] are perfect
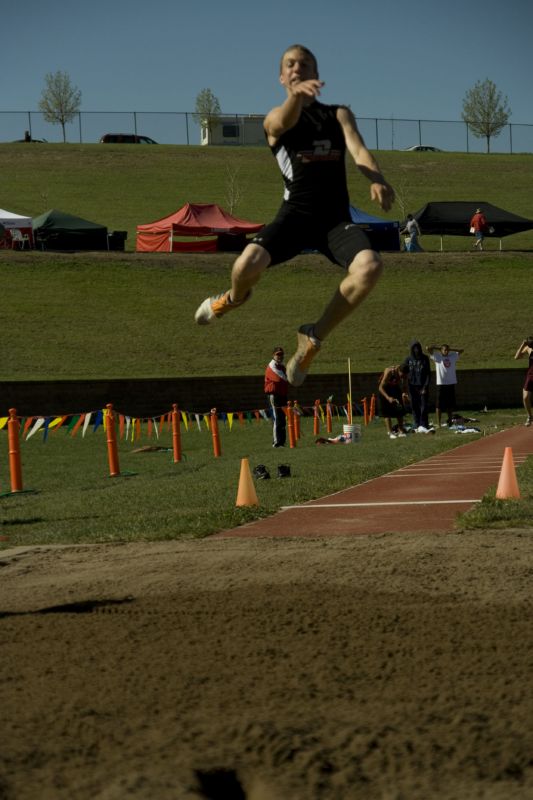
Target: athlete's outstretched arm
[[284, 117], [380, 191]]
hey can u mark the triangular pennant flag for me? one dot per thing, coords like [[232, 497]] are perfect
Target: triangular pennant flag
[[38, 424], [128, 423], [230, 419], [241, 417], [156, 429], [149, 428], [121, 422], [137, 428], [99, 418], [86, 423], [321, 413], [57, 422], [46, 428], [263, 413], [197, 416], [207, 420], [3, 421], [185, 419], [77, 422], [249, 416], [72, 422]]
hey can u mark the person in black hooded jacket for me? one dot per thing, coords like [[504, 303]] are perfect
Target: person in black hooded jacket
[[418, 370]]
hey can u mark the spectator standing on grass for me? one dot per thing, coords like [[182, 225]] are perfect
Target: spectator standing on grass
[[418, 371], [479, 226], [276, 390], [526, 349], [392, 391], [445, 359], [412, 231], [310, 141]]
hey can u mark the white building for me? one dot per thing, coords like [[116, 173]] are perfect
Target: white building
[[235, 129]]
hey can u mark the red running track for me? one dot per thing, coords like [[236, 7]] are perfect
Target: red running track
[[421, 497]]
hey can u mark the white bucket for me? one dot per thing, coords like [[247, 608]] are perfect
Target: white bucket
[[354, 431]]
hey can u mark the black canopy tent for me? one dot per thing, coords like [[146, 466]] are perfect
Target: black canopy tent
[[452, 218]]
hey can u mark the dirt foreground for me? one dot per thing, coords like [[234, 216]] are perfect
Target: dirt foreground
[[394, 667]]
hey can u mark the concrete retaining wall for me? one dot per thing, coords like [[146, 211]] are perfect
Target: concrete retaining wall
[[147, 397]]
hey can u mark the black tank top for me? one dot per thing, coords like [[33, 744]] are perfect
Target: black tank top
[[311, 157]]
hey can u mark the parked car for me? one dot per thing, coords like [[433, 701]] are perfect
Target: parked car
[[125, 138], [424, 148]]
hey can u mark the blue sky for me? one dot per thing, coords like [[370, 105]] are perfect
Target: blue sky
[[383, 58]]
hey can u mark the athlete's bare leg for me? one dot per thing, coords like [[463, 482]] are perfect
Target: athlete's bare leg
[[362, 275]]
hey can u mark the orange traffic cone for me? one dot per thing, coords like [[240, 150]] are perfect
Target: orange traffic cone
[[507, 485], [246, 495]]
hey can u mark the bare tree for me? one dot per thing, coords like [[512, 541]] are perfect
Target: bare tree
[[207, 110], [60, 100], [233, 187], [485, 111]]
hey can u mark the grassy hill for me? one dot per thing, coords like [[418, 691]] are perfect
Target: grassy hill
[[122, 186], [126, 314]]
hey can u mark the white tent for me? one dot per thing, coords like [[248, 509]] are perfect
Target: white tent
[[10, 220]]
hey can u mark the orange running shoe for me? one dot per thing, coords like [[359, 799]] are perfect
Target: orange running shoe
[[299, 363], [215, 307]]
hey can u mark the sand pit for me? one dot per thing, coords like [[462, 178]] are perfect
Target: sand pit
[[394, 667]]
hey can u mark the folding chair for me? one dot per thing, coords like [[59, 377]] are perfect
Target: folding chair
[[19, 240]]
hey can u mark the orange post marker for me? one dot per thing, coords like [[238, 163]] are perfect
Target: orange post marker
[[316, 419], [508, 484], [112, 449], [365, 410], [176, 433], [15, 468], [290, 425], [329, 421], [217, 452], [246, 494], [296, 419]]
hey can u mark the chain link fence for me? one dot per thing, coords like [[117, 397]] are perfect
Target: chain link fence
[[181, 127]]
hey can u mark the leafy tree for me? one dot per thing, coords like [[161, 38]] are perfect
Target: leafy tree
[[207, 110], [485, 111], [60, 100]]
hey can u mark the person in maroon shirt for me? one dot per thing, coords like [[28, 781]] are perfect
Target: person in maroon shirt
[[526, 349], [479, 225]]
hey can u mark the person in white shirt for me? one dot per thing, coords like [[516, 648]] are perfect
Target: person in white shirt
[[412, 232], [445, 359]]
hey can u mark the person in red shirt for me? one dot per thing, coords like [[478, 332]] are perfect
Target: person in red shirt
[[478, 226], [276, 390]]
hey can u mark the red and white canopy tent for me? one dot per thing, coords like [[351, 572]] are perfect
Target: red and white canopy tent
[[10, 221], [207, 221]]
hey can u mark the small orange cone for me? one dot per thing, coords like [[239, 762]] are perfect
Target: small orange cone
[[507, 485], [246, 495]]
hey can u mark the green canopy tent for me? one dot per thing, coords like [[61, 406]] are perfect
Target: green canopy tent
[[57, 230]]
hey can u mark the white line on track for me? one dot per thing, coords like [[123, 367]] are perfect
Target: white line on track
[[394, 503]]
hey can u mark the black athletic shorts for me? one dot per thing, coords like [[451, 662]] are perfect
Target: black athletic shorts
[[291, 234], [446, 396]]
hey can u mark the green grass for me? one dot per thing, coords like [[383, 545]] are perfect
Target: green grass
[[80, 316], [76, 316], [74, 499]]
